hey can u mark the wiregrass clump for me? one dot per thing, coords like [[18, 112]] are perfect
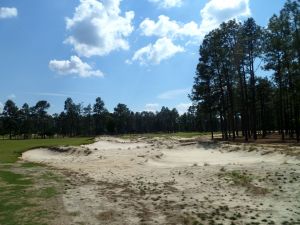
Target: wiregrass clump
[[243, 179]]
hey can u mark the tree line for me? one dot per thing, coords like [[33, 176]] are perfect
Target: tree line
[[78, 120], [229, 91]]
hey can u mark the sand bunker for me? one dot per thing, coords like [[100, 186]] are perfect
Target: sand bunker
[[179, 156], [200, 157], [157, 181]]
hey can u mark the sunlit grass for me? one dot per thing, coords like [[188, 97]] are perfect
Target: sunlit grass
[[24, 192], [14, 178], [10, 150]]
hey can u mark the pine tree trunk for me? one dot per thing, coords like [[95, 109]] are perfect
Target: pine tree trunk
[[246, 106], [281, 103], [253, 108], [211, 125]]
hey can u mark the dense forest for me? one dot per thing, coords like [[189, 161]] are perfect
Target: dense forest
[[230, 90], [27, 122], [230, 93]]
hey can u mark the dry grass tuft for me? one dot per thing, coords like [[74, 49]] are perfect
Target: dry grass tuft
[[106, 215]]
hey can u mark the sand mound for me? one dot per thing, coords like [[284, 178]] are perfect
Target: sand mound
[[161, 154]]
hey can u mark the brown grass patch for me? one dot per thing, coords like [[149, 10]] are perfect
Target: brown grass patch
[[106, 215]]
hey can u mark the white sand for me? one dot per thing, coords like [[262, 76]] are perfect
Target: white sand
[[166, 170]]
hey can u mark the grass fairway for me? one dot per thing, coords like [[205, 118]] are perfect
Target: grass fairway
[[166, 135], [29, 192], [27, 196], [10, 150]]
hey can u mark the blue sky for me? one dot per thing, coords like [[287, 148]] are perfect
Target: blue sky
[[139, 52]]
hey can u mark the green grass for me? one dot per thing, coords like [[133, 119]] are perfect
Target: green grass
[[47, 192], [24, 197], [245, 180], [26, 188], [14, 197], [239, 178], [49, 176], [166, 135], [17, 205], [10, 150], [14, 178]]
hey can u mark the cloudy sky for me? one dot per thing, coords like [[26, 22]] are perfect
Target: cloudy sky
[[139, 52]]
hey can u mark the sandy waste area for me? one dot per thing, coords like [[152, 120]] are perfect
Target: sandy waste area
[[177, 181]]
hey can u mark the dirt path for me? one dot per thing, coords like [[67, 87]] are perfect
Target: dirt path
[[170, 181]]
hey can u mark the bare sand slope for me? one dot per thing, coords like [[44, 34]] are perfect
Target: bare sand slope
[[157, 181]]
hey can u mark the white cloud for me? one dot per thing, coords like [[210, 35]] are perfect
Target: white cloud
[[162, 49], [152, 107], [6, 12], [168, 3], [165, 27], [74, 66], [218, 11], [11, 96], [174, 93], [213, 14], [1, 107], [183, 107], [97, 28]]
